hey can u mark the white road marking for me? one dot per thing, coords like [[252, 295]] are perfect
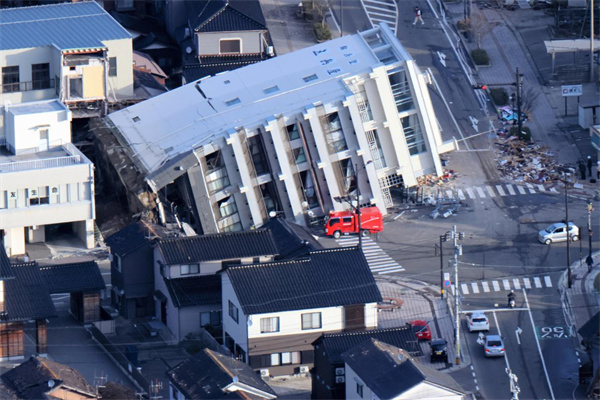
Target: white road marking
[[538, 282], [480, 192], [465, 288], [541, 188], [531, 189], [449, 194], [517, 284], [475, 287], [470, 193], [506, 284], [496, 286], [521, 189], [485, 286], [548, 281], [510, 189], [500, 190], [461, 195], [527, 283], [490, 191], [518, 332]]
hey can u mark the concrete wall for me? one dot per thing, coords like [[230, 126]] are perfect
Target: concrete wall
[[208, 43], [121, 86]]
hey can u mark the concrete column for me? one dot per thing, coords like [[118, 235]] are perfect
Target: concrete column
[[36, 234], [14, 241]]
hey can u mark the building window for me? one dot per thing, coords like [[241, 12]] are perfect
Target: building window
[[112, 66], [188, 269], [210, 318], [269, 325], [10, 79], [413, 134], [334, 135], [299, 155], [359, 389], [401, 89], [292, 357], [293, 132], [234, 312], [41, 76], [227, 207], [233, 102], [309, 78], [230, 46], [259, 157], [311, 321]]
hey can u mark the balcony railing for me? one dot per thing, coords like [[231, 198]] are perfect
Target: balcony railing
[[27, 86], [39, 164]]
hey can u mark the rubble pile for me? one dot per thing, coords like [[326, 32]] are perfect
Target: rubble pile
[[433, 180], [522, 161]]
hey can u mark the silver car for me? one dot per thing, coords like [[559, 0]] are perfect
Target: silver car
[[477, 321], [494, 346], [557, 233]]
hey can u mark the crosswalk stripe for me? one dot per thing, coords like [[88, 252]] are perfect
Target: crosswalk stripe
[[510, 189], [480, 192], [541, 188], [521, 190], [461, 195], [517, 284], [475, 287], [527, 283], [391, 271], [500, 190], [470, 193], [465, 288], [449, 194], [548, 281], [530, 187], [506, 284], [496, 286], [387, 268], [490, 191], [538, 282], [485, 286]]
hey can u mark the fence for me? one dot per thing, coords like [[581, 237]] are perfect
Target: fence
[[39, 164]]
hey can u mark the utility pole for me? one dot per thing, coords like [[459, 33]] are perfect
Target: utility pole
[[589, 260], [360, 234], [519, 84], [569, 280], [456, 236], [443, 238], [592, 41]]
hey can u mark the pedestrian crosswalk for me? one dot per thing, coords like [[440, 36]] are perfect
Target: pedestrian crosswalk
[[487, 191], [381, 11], [504, 285], [378, 260]]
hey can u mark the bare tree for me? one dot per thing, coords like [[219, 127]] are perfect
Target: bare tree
[[528, 99], [480, 27]]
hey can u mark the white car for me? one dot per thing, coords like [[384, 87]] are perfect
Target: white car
[[558, 233], [477, 321]]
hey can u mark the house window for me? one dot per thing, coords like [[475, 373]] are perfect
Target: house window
[[112, 66], [118, 263], [292, 357], [234, 312], [10, 79], [210, 318], [41, 76], [311, 321], [188, 269], [359, 389], [230, 46], [268, 325]]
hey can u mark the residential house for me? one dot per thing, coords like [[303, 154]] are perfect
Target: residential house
[[328, 374], [46, 181], [40, 378], [273, 312], [379, 370], [289, 134], [79, 54], [292, 240], [210, 375], [187, 289]]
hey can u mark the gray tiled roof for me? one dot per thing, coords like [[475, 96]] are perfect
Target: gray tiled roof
[[195, 290], [389, 371], [334, 344], [225, 16], [292, 240], [74, 277], [74, 25], [219, 246], [27, 296], [325, 278], [5, 269], [133, 236], [207, 373]]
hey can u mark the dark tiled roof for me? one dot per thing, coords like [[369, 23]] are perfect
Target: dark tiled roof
[[131, 237], [5, 269], [27, 296], [30, 379], [389, 371], [116, 391], [219, 246], [292, 240], [74, 277], [211, 66], [326, 278], [225, 16], [195, 290], [334, 344], [207, 373]]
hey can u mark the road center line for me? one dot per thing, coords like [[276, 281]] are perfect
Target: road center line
[[537, 341], [500, 334]]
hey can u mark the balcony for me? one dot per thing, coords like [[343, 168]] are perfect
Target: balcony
[[27, 86], [60, 156]]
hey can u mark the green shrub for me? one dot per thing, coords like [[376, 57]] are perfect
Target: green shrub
[[499, 96], [480, 56], [322, 31], [524, 136]]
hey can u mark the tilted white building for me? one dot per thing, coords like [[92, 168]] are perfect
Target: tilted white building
[[289, 134]]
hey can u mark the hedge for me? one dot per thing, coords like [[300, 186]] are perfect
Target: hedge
[[480, 56]]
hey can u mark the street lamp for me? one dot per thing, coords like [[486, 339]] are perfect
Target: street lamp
[[569, 280], [589, 260]]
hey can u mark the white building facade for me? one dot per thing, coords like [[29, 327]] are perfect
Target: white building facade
[[291, 134]]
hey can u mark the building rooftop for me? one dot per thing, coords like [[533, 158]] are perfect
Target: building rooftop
[[66, 26], [73, 277], [27, 296], [225, 16], [195, 290], [55, 157], [36, 107], [161, 130]]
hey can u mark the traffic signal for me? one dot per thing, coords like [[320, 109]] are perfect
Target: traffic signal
[[482, 87]]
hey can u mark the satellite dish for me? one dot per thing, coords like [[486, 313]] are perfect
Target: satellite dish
[[188, 50]]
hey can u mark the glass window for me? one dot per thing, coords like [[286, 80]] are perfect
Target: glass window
[[259, 157], [268, 325], [227, 207], [41, 76], [187, 269], [401, 89], [296, 359], [413, 134], [286, 358], [112, 66], [334, 221], [271, 89], [359, 389], [299, 155], [310, 78], [10, 79], [230, 46], [293, 132], [233, 102], [311, 321], [275, 359], [334, 135], [233, 312], [210, 318]]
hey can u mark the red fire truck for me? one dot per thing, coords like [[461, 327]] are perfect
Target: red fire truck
[[346, 222]]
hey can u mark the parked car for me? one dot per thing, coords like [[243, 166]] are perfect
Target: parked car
[[477, 321], [494, 346], [421, 329], [439, 350], [557, 233]]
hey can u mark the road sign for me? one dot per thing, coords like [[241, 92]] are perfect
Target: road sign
[[571, 90], [447, 283], [446, 276]]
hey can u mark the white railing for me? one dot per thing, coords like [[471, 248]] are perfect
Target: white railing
[[39, 164]]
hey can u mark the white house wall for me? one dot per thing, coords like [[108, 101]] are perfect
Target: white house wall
[[208, 43], [426, 390], [121, 86], [290, 322], [351, 381], [238, 331]]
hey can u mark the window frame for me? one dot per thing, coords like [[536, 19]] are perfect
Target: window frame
[[309, 324], [112, 66], [234, 312], [11, 79], [269, 325], [230, 51], [43, 82], [190, 269]]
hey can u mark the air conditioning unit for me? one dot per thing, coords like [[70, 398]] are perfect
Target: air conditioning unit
[[304, 369], [264, 373], [340, 379], [340, 371]]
